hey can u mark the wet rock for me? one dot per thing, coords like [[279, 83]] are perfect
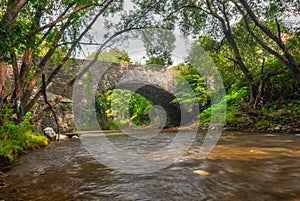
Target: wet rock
[[287, 129], [215, 126], [75, 137], [298, 134], [283, 129], [63, 137], [278, 128], [50, 133]]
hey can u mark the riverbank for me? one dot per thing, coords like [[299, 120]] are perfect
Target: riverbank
[[275, 116], [17, 139], [15, 145]]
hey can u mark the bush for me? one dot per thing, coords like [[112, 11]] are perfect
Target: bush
[[17, 138], [279, 113]]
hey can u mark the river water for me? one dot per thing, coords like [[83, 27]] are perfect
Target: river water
[[243, 166]]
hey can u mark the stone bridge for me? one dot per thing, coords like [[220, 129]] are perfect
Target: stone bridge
[[156, 85]]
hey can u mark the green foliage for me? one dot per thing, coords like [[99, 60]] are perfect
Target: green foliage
[[155, 63], [279, 113], [119, 108], [236, 95], [159, 45], [17, 138], [139, 108], [204, 118], [190, 77], [64, 106], [113, 55]]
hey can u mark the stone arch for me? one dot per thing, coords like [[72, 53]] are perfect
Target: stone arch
[[157, 86], [157, 96]]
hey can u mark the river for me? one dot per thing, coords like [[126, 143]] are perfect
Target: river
[[242, 167]]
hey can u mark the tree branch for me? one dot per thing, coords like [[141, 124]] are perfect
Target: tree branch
[[49, 104], [70, 84], [66, 58], [12, 10], [257, 39], [99, 50], [185, 7], [30, 86], [291, 62], [238, 58], [278, 29]]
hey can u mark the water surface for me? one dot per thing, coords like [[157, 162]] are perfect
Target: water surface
[[243, 166]]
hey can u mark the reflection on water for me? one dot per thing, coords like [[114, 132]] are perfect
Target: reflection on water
[[241, 167]]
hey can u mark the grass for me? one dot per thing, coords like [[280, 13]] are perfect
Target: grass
[[18, 138]]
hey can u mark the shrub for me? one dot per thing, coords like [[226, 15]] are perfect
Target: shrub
[[17, 138]]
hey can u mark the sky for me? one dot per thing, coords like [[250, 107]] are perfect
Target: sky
[[135, 46]]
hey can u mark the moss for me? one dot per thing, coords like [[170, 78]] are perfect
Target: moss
[[64, 106]]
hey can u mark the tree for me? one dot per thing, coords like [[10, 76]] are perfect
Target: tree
[[286, 58], [28, 27], [196, 81], [219, 19], [159, 44], [34, 33], [118, 108], [113, 55]]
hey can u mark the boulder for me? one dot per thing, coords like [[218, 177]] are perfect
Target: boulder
[[50, 133], [63, 137]]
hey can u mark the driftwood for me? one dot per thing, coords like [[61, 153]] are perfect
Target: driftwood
[[49, 104]]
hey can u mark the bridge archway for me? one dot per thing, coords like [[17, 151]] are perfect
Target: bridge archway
[[157, 97], [157, 86]]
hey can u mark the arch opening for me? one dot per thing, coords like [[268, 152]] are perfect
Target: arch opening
[[137, 105]]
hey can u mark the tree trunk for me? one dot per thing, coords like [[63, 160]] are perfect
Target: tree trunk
[[225, 24], [258, 99], [13, 8], [291, 64], [50, 105], [242, 66], [3, 69]]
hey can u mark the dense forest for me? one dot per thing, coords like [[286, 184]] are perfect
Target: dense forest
[[253, 44]]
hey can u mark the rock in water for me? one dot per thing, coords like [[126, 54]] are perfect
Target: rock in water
[[49, 132], [63, 137], [201, 172]]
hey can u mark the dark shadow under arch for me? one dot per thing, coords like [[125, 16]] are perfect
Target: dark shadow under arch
[[157, 96]]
